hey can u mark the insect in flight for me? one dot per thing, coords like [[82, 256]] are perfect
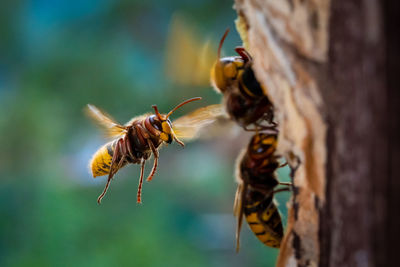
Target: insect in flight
[[189, 54], [142, 137], [244, 97], [256, 188]]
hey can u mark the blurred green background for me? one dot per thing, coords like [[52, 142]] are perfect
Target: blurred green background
[[57, 56]]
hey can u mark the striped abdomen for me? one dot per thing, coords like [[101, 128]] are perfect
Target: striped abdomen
[[265, 221], [101, 160]]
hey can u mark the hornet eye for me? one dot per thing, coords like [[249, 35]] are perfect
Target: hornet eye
[[155, 123]]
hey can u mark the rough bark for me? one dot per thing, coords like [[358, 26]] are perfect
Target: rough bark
[[281, 36], [360, 220], [325, 68], [388, 254]]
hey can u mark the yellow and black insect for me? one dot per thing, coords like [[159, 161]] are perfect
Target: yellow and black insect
[[189, 54], [244, 97], [257, 184], [142, 137]]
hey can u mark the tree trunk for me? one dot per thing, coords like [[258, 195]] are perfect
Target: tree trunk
[[330, 69]]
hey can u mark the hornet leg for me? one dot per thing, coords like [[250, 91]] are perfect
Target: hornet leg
[[155, 153], [113, 170], [139, 192]]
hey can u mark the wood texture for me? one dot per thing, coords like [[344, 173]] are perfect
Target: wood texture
[[282, 35], [388, 253], [357, 154], [357, 224], [330, 69]]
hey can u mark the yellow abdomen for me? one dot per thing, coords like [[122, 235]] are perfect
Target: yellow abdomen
[[266, 225], [101, 160]]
